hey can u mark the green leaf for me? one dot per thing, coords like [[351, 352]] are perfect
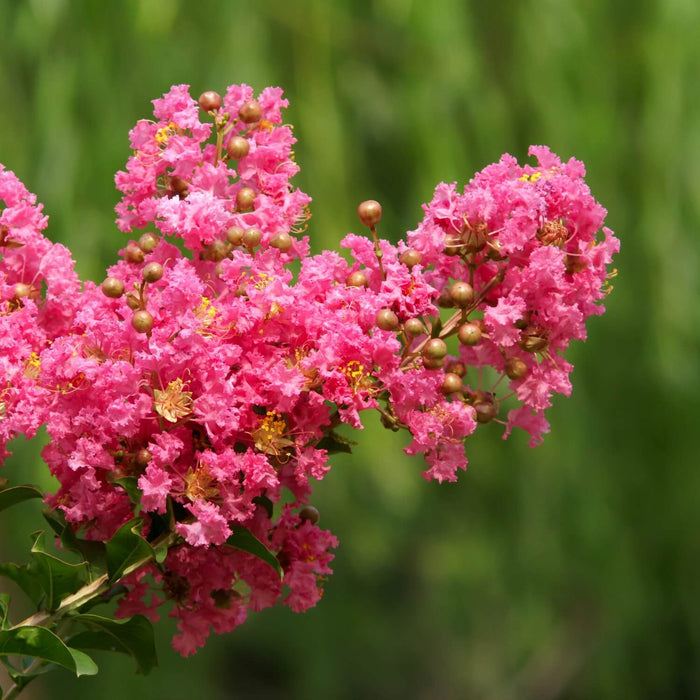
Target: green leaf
[[41, 643], [130, 484], [26, 577], [57, 577], [17, 494], [246, 541], [4, 611], [334, 444], [94, 553], [127, 547], [133, 636]]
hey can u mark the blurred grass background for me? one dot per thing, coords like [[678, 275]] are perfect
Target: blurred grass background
[[570, 571]]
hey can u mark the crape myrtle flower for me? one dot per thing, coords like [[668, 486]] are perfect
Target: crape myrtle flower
[[210, 379]]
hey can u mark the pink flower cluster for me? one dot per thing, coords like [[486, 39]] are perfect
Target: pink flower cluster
[[211, 379]]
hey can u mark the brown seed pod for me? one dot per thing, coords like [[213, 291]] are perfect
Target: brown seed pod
[[414, 327], [515, 368], [179, 186], [453, 245], [458, 368], [250, 112], [444, 301], [113, 288], [143, 457], [486, 411], [410, 258], [462, 294], [148, 242], [245, 199], [282, 241], [451, 383], [469, 334], [533, 343], [474, 237], [134, 254], [433, 363], [235, 235], [152, 272], [216, 251], [142, 321], [309, 513], [209, 101], [252, 237], [435, 349], [387, 320], [237, 147], [357, 279], [370, 213]]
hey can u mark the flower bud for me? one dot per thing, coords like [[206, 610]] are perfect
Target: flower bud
[[414, 327], [237, 147], [282, 241], [142, 321], [245, 199], [132, 301], [309, 513], [134, 254], [410, 258], [515, 368], [451, 383], [387, 320], [462, 294], [357, 279], [148, 242], [469, 334], [252, 237], [113, 288], [444, 301], [209, 101], [250, 112], [152, 272], [495, 250], [533, 343], [370, 213], [235, 235], [435, 349]]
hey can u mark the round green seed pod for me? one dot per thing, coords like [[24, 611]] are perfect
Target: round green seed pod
[[209, 101], [516, 368], [387, 320], [414, 327], [148, 242], [410, 258], [134, 254], [451, 383], [113, 288], [370, 213], [142, 321], [252, 237], [238, 147], [357, 279], [250, 112], [245, 199], [235, 235], [309, 513], [462, 294], [152, 272], [435, 349], [469, 334]]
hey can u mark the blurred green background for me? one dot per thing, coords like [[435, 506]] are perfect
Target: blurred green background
[[570, 571]]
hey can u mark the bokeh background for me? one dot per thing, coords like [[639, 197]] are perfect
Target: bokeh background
[[570, 571]]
